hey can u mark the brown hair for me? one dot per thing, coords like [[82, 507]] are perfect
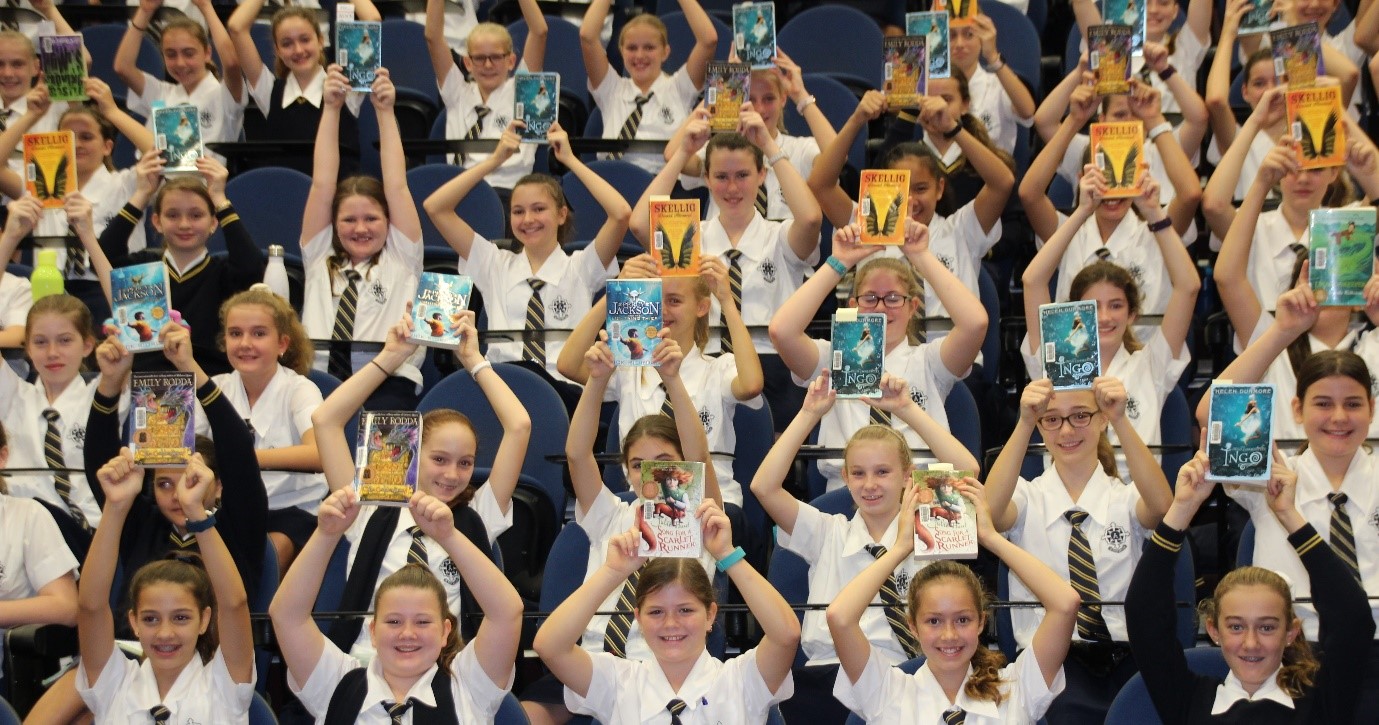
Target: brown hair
[[358, 185], [301, 13], [299, 351], [67, 306], [416, 576], [438, 417], [661, 572], [1119, 277], [566, 233], [1328, 364], [885, 434], [773, 77], [656, 426], [1263, 55], [108, 130], [907, 275], [985, 681], [731, 141], [649, 20], [1300, 666], [975, 125], [198, 33], [189, 184], [187, 569]]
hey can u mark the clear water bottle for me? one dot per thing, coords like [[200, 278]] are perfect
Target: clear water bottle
[[275, 275], [47, 278]]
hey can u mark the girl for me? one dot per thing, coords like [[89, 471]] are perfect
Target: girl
[[19, 69], [192, 623], [1274, 675], [1342, 54], [675, 607], [542, 276], [647, 103], [382, 538], [420, 663], [1186, 47], [947, 613], [999, 97], [361, 246], [889, 287], [1258, 72], [1080, 501]]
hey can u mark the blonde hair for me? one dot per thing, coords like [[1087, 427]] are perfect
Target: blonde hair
[[648, 20], [1300, 665], [14, 36], [491, 29], [885, 434]]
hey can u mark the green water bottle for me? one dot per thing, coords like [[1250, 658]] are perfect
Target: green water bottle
[[47, 278]]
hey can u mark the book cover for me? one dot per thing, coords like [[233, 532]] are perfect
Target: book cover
[[163, 405], [1297, 52], [754, 34], [1315, 117], [140, 304], [934, 27], [883, 201], [50, 166], [1072, 349], [1341, 245], [668, 498], [1240, 432], [1130, 13], [386, 458], [859, 349], [634, 321], [1118, 150], [960, 12], [1257, 19], [64, 68], [726, 88], [436, 309], [177, 133], [1109, 53], [905, 70], [945, 521], [359, 51], [537, 104], [676, 236]]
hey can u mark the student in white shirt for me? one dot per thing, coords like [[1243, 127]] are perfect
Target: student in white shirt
[[16, 297], [1186, 47], [1342, 55], [19, 69], [999, 97], [192, 622], [1037, 516], [947, 611], [1258, 73], [422, 661], [675, 608]]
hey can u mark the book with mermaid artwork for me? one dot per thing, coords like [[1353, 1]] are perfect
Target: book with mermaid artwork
[[960, 12], [1341, 250], [50, 167], [1130, 13], [436, 309], [177, 133], [883, 202], [1297, 52], [668, 499], [1071, 348], [536, 103], [676, 236], [859, 350], [163, 408], [934, 27], [140, 304], [726, 88], [1317, 119], [64, 66], [1118, 150], [359, 51], [1258, 18], [387, 457], [754, 34], [634, 321], [945, 521], [1109, 49], [1240, 432], [905, 70]]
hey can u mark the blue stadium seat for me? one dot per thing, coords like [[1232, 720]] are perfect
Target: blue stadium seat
[[1018, 42], [7, 714], [815, 37], [629, 179], [1245, 552], [837, 102], [260, 713], [682, 39], [269, 201], [1175, 428], [964, 421], [407, 59], [1133, 706], [481, 208], [327, 383], [333, 583], [991, 346], [102, 41], [510, 712]]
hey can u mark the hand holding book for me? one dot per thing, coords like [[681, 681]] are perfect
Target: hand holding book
[[668, 356], [819, 398], [338, 512], [79, 215], [560, 144], [622, 557], [24, 215], [1034, 401], [718, 531], [847, 244], [432, 515], [1191, 490], [196, 482], [1297, 309], [599, 358], [1110, 398], [336, 86], [115, 362], [384, 93], [122, 480], [1281, 493], [469, 340]]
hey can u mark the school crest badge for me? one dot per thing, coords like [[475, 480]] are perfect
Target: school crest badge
[[1116, 538]]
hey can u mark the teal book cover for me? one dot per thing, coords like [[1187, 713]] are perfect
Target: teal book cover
[[437, 306], [754, 34], [1131, 13], [934, 27], [359, 51], [537, 104], [1258, 18], [1072, 349], [859, 351], [387, 457], [177, 133], [1341, 247], [1240, 432], [668, 500], [140, 304], [163, 406], [634, 321], [64, 67]]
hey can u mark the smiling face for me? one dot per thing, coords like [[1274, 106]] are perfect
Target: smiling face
[[882, 283], [734, 176], [185, 220], [682, 307], [490, 58], [408, 631], [876, 475], [362, 226], [536, 216], [1318, 11], [947, 624], [18, 68], [1159, 15], [1068, 444], [253, 342], [644, 50], [298, 44], [185, 57], [675, 623], [92, 146], [925, 187], [447, 460], [56, 348], [1335, 413], [1253, 632], [168, 622], [1113, 313]]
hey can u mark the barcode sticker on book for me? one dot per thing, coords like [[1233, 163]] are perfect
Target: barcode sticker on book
[[890, 71], [1297, 130], [29, 172], [161, 142], [1320, 261], [660, 239], [519, 110], [1101, 159], [1049, 352], [342, 57], [1279, 67], [1214, 437], [711, 96], [140, 418], [361, 456], [866, 206], [837, 359], [617, 330], [1096, 59]]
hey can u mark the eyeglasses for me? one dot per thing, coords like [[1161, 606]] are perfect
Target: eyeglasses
[[892, 300], [1080, 419], [494, 59]]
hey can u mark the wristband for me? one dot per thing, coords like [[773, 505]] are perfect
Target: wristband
[[998, 65], [733, 557], [837, 265], [1167, 73], [206, 524], [142, 30], [381, 368], [772, 159], [957, 129], [804, 103], [485, 365], [1158, 131], [1160, 225]]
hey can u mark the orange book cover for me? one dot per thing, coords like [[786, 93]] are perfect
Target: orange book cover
[[50, 166], [883, 201], [1316, 117], [676, 236], [1118, 150], [960, 12]]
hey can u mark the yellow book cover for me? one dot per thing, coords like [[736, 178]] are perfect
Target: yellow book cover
[[726, 86], [1118, 150], [1109, 51], [883, 200], [676, 236], [905, 68], [1315, 116], [960, 12], [50, 166]]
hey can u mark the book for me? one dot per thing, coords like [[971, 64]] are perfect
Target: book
[[934, 27], [64, 67], [669, 496], [726, 88], [359, 51], [177, 133], [1258, 18], [859, 350], [1109, 54], [1118, 150], [163, 405], [676, 236], [1316, 118], [436, 309], [537, 104], [387, 456], [634, 321], [1240, 432], [1297, 52], [906, 70], [1341, 248], [50, 166], [140, 303], [1072, 349], [960, 12], [945, 521], [754, 34], [883, 202], [1130, 13]]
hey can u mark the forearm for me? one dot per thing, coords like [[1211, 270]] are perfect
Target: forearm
[[942, 444], [747, 363], [1001, 480], [571, 362], [1145, 471], [301, 457], [38, 609], [325, 159]]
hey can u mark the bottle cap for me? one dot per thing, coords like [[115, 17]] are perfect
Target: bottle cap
[[47, 257], [275, 250]]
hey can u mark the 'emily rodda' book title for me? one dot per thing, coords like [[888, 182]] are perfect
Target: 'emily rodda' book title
[[163, 406]]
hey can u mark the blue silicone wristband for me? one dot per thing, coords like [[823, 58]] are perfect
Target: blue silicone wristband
[[837, 265], [732, 558], [206, 524]]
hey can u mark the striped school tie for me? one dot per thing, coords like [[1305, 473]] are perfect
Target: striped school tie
[[1342, 535], [343, 332], [675, 707], [396, 710], [667, 409], [416, 553], [880, 417], [533, 333], [894, 607], [762, 202], [921, 326], [620, 624], [956, 716], [52, 455], [76, 256], [735, 287], [633, 122], [1103, 254], [1091, 624], [161, 714], [480, 113]]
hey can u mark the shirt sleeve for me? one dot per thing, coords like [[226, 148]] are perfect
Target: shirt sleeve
[[1163, 359], [260, 91], [968, 229], [320, 685], [797, 267], [602, 696], [879, 689], [603, 96], [16, 301], [824, 348], [1071, 166], [1035, 694], [757, 696], [46, 556], [317, 249], [472, 679], [142, 104], [99, 696], [602, 519], [404, 251], [684, 86], [306, 398], [807, 539], [591, 270], [236, 696], [482, 265], [495, 521]]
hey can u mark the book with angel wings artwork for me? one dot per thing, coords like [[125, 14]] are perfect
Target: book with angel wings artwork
[[1118, 150], [883, 201], [675, 236], [1314, 115], [50, 166]]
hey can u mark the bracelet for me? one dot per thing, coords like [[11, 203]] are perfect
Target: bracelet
[[381, 368], [1167, 73], [206, 524], [837, 265], [998, 65], [957, 129], [1158, 131], [142, 30], [1160, 225], [485, 365], [771, 160], [733, 557], [805, 103]]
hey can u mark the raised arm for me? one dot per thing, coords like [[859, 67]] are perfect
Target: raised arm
[[137, 133], [231, 74], [122, 482], [437, 47], [232, 603], [1001, 480], [692, 136], [591, 42], [609, 238], [1218, 90], [694, 442], [325, 166], [998, 180], [440, 205], [750, 378], [79, 219], [814, 117], [1041, 269], [960, 346], [1182, 273], [705, 41], [128, 51], [1296, 313], [1021, 100], [241, 20], [12, 184], [823, 179], [767, 485], [895, 399], [1087, 13], [534, 48], [1193, 127], [516, 422], [788, 325], [807, 218], [1146, 104], [1049, 114], [49, 10], [1034, 188], [1367, 28], [1145, 472], [585, 476], [402, 208], [1237, 294]]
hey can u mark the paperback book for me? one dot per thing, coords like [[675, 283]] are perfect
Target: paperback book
[[436, 309], [905, 70], [386, 459], [1110, 47], [537, 104], [50, 166], [676, 236], [1297, 52], [934, 27], [177, 133], [859, 349], [1258, 18], [163, 433], [754, 34], [1072, 349], [1315, 116], [668, 498], [634, 321], [359, 51], [1240, 432], [1341, 245], [883, 202], [960, 12], [140, 303], [1118, 150], [1130, 13], [726, 88], [64, 67], [945, 521]]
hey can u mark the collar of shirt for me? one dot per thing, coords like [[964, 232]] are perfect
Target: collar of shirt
[[362, 268], [1346, 343], [948, 157], [716, 241], [1231, 691], [16, 108], [552, 271], [1285, 238], [234, 389], [1095, 499], [1123, 237], [630, 91], [379, 691], [69, 397], [143, 690], [1313, 486], [931, 691], [312, 93], [168, 260], [857, 539], [693, 691]]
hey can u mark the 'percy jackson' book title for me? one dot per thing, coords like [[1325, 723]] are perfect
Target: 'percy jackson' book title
[[634, 321], [437, 306]]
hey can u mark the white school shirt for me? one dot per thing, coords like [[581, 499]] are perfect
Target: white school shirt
[[993, 106], [1272, 549], [477, 696], [462, 98], [1280, 373], [930, 382], [33, 553], [1260, 147], [884, 694], [1113, 533], [771, 271], [47, 122], [835, 548], [384, 292], [16, 297], [1132, 246], [501, 277], [1270, 265], [800, 150], [221, 116], [672, 100], [709, 380], [609, 516], [108, 191], [626, 691], [202, 693], [460, 18], [260, 90]]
